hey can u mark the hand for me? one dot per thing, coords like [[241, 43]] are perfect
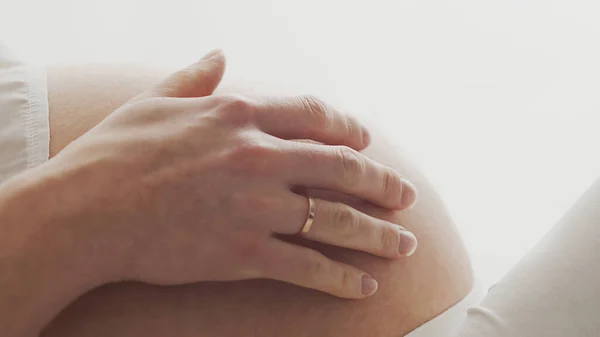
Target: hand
[[172, 190]]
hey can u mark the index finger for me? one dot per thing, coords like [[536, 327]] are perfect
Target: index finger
[[307, 117]]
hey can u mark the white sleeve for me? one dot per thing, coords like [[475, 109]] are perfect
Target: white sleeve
[[24, 126]]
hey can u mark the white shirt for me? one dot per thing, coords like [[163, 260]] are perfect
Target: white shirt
[[24, 126]]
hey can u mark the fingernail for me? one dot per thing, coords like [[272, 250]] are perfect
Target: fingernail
[[408, 243], [366, 137], [212, 54], [409, 194], [369, 285]]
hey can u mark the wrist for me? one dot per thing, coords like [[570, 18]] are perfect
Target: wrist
[[42, 265]]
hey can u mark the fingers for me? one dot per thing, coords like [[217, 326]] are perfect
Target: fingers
[[303, 117], [342, 169], [307, 117], [197, 80], [310, 269], [337, 168], [341, 225]]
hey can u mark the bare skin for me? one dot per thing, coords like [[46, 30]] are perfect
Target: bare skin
[[411, 290]]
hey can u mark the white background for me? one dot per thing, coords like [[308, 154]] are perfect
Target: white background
[[497, 100]]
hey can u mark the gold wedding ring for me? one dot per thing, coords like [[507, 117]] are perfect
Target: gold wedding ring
[[311, 216]]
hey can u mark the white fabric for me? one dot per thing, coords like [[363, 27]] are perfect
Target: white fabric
[[24, 127], [554, 291], [447, 323]]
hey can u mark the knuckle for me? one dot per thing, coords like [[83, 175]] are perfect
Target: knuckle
[[251, 148], [318, 267], [389, 240], [353, 128], [235, 109], [153, 107], [320, 115], [392, 186], [350, 164], [235, 101], [346, 221], [348, 278], [252, 206], [249, 155], [247, 248]]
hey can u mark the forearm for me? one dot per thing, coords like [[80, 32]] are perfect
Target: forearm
[[40, 272]]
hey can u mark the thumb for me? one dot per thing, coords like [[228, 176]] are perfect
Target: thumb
[[196, 80]]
